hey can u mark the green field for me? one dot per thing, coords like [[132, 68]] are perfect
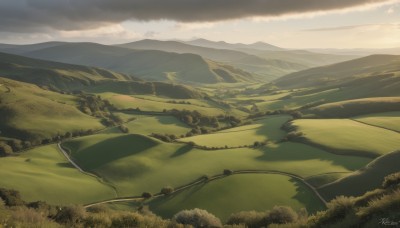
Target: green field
[[261, 130], [367, 179], [127, 102], [40, 113], [141, 164], [236, 193], [348, 136], [153, 124], [350, 108], [389, 120], [44, 174]]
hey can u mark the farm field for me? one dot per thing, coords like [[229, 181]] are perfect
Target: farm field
[[142, 164], [266, 129], [44, 173], [153, 124], [388, 120], [231, 194], [132, 102], [354, 137]]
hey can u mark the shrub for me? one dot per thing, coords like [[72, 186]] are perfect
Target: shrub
[[71, 214], [252, 219], [127, 220], [391, 180], [228, 172], [5, 150], [97, 220], [11, 197], [147, 195], [167, 190], [279, 215], [123, 129], [197, 218], [28, 217]]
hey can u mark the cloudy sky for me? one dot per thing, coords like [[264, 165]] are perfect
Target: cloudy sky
[[286, 23]]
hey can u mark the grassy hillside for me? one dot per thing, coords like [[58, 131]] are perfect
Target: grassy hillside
[[341, 72], [156, 105], [148, 64], [154, 124], [389, 120], [266, 68], [267, 129], [150, 88], [28, 112], [348, 136], [221, 55], [236, 193], [367, 179], [305, 58], [44, 174], [58, 76], [356, 107], [142, 164]]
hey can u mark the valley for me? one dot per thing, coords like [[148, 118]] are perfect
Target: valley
[[172, 126]]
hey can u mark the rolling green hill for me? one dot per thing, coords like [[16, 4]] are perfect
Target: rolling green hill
[[340, 73], [305, 58], [350, 108], [148, 64], [254, 64], [344, 136], [28, 112], [58, 76], [44, 174], [367, 179], [136, 163], [221, 55], [233, 194]]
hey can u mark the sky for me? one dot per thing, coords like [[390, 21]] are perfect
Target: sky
[[284, 23]]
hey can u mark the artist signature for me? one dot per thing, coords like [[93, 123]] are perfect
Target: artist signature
[[388, 222]]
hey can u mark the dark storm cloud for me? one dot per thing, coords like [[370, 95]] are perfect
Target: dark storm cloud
[[22, 15]]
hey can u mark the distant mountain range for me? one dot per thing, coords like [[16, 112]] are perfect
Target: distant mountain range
[[197, 61]]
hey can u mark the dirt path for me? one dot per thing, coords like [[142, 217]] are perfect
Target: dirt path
[[84, 172]]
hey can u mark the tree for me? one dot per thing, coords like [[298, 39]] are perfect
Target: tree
[[5, 150], [147, 195], [228, 172], [167, 190]]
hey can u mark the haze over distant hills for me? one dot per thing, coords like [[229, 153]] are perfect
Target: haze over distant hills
[[264, 61]]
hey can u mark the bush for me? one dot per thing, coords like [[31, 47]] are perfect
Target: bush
[[147, 195], [228, 172], [167, 190], [5, 150], [123, 129], [71, 214], [197, 218], [11, 197], [279, 215], [391, 180], [127, 220], [252, 219]]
